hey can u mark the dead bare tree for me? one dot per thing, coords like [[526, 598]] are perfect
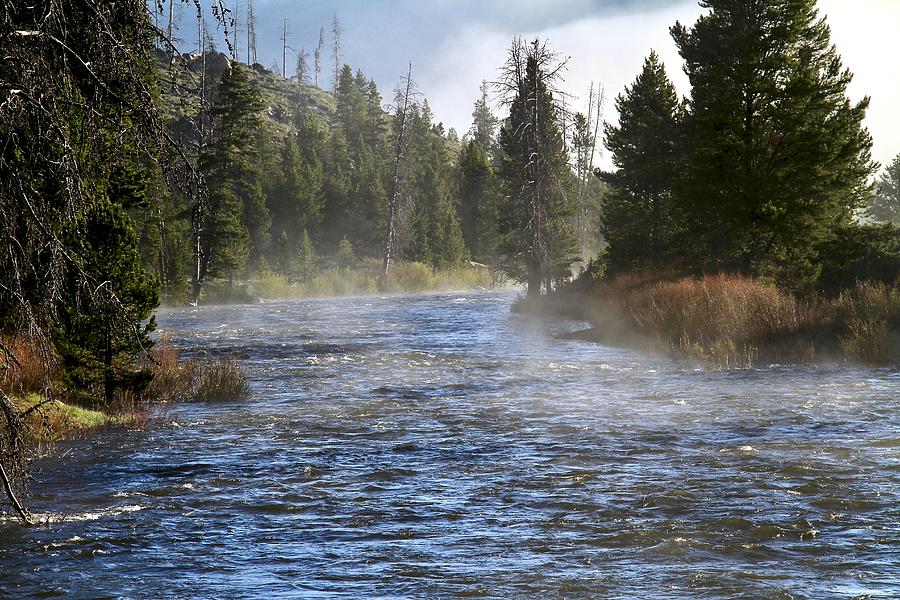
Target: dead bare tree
[[318, 54], [537, 244], [401, 124], [284, 48], [251, 34], [336, 32]]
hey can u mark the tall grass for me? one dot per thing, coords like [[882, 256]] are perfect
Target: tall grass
[[364, 279], [27, 369], [730, 320], [179, 379]]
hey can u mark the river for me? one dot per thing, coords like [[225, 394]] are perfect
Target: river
[[440, 446]]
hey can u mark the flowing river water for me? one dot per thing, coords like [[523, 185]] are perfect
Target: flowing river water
[[439, 446]]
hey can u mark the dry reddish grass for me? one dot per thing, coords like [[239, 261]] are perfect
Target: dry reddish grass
[[177, 379], [731, 320], [28, 371]]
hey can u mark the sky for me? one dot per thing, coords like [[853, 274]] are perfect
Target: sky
[[455, 44]]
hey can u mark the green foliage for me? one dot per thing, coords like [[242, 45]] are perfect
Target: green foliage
[[296, 199], [226, 238], [368, 204], [484, 124], [640, 221], [98, 351], [885, 205], [306, 267], [478, 198], [860, 253], [238, 226], [346, 256], [777, 154]]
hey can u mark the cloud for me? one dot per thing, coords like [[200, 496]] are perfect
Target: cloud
[[605, 50], [610, 48]]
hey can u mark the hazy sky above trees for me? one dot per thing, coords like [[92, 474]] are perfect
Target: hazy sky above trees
[[455, 44]]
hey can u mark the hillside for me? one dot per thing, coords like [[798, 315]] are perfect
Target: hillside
[[180, 85]]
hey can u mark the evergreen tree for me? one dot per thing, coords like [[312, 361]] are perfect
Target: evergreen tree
[[538, 242], [79, 106], [306, 268], [885, 205], [352, 106], [337, 187], [231, 164], [296, 198], [639, 221], [368, 203], [226, 239], [484, 123], [778, 157], [346, 255], [477, 200], [97, 350]]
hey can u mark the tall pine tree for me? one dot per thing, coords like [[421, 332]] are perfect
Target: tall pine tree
[[778, 157], [239, 222], [640, 220]]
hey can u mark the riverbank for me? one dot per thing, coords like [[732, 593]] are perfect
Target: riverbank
[[729, 321], [51, 420], [360, 280], [50, 417]]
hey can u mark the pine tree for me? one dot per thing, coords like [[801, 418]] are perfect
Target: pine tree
[[306, 268], [302, 66], [886, 203], [477, 199], [639, 221], [231, 164], [778, 156], [226, 239], [368, 203], [538, 242], [337, 187], [97, 350], [317, 56], [295, 199], [346, 255], [484, 123]]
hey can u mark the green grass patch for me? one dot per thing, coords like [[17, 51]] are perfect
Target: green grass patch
[[56, 420]]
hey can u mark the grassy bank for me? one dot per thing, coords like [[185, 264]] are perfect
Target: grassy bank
[[364, 279], [729, 320], [49, 413], [53, 420]]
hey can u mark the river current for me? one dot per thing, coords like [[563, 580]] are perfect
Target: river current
[[440, 446]]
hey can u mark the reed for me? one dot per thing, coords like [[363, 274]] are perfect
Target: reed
[[730, 321], [201, 378]]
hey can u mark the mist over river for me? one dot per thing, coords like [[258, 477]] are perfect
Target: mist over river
[[439, 446]]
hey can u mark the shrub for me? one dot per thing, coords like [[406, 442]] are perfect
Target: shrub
[[730, 320], [409, 277], [271, 285], [178, 379], [867, 322], [220, 380], [29, 369], [173, 378]]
